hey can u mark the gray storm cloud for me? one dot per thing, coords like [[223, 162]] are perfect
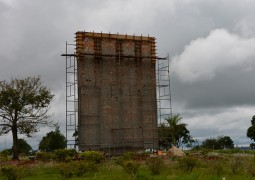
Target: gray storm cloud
[[221, 50], [212, 81]]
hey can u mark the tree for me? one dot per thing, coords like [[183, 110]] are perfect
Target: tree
[[53, 140], [224, 142], [174, 132], [251, 129], [24, 105], [252, 146], [210, 144], [24, 147]]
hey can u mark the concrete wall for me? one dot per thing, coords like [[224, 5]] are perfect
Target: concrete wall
[[116, 92]]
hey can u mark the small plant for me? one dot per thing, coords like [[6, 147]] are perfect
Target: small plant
[[3, 158], [7, 152], [131, 167], [11, 172], [251, 166], [76, 169], [142, 177], [44, 156], [65, 154], [123, 158], [66, 171], [127, 163], [155, 165], [84, 167], [204, 152], [237, 165], [216, 168], [251, 170], [187, 164], [92, 156]]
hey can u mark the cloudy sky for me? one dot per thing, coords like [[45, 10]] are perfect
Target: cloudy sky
[[211, 46]]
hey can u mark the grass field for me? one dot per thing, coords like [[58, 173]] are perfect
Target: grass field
[[197, 165]]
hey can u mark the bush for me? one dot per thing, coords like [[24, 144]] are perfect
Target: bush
[[84, 167], [131, 167], [3, 158], [140, 176], [155, 165], [65, 154], [187, 164], [78, 169], [127, 163], [7, 152], [12, 172], [216, 168], [251, 170], [237, 165], [44, 156], [92, 156], [123, 158], [66, 171]]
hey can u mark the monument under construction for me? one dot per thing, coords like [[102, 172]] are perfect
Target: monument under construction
[[117, 96]]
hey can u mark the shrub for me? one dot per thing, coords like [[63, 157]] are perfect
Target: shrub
[[155, 165], [131, 167], [84, 167], [204, 152], [44, 156], [66, 171], [92, 156], [142, 177], [251, 170], [7, 152], [65, 154], [216, 168], [237, 164], [128, 155], [12, 172], [187, 164], [127, 163], [250, 166], [3, 158], [123, 158]]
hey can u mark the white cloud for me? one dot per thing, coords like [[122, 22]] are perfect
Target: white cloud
[[203, 58], [232, 122]]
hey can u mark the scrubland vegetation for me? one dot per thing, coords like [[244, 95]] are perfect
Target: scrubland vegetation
[[68, 164]]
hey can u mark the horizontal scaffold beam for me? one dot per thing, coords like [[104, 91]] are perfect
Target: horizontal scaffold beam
[[113, 55]]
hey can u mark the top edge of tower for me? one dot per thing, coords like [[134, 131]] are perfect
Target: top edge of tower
[[82, 34]]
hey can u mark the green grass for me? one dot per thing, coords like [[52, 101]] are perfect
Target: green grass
[[204, 168]]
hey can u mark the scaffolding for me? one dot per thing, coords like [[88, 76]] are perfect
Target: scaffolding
[[164, 101], [71, 97], [122, 134]]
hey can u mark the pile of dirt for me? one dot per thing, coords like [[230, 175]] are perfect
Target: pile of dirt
[[174, 151]]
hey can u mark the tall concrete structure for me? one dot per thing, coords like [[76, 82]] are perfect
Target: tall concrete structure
[[117, 103]]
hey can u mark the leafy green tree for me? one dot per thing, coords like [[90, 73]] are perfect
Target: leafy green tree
[[24, 104], [210, 144], [24, 147], [53, 140], [252, 145], [224, 142], [251, 129], [174, 132]]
